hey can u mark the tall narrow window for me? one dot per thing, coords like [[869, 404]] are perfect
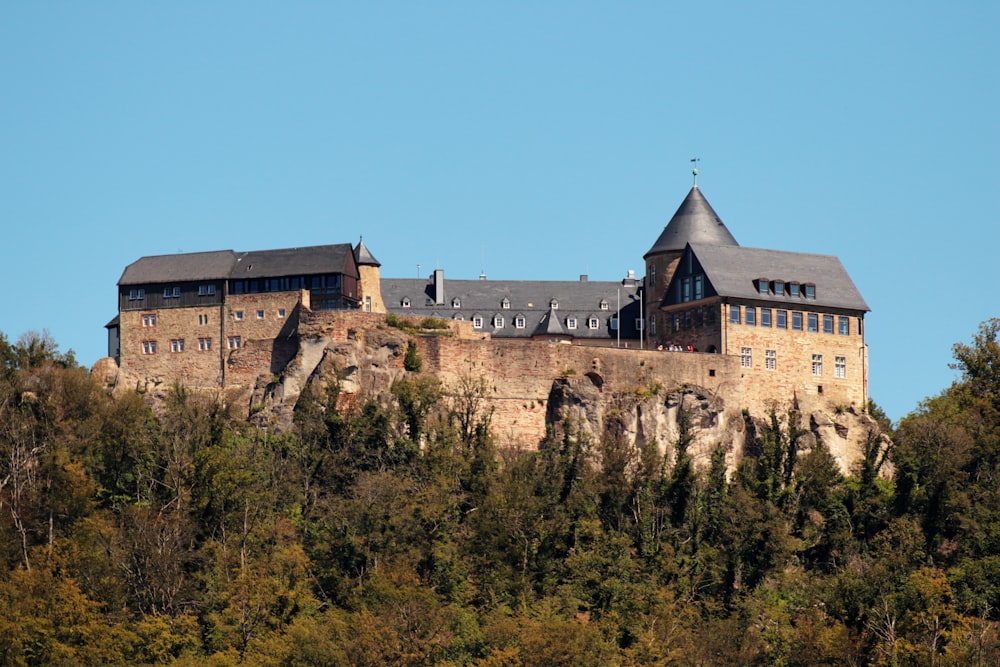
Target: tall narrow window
[[843, 325], [770, 360], [699, 287], [750, 316], [796, 320], [765, 317], [746, 357], [840, 367], [177, 345], [734, 314], [204, 344], [149, 347], [828, 324], [203, 319], [685, 289], [782, 319], [813, 322], [235, 342], [817, 365]]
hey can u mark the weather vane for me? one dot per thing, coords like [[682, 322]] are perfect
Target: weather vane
[[694, 171]]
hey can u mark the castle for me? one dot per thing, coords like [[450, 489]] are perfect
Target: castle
[[774, 325]]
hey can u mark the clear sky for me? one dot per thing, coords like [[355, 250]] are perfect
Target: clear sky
[[532, 140]]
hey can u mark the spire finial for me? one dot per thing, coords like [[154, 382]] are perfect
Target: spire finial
[[694, 172]]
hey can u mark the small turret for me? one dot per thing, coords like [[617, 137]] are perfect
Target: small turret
[[370, 284]]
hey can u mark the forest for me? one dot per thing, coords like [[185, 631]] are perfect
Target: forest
[[398, 532]]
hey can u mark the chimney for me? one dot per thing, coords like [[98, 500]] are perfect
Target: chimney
[[438, 287], [583, 277]]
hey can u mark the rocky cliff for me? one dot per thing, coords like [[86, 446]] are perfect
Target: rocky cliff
[[531, 386]]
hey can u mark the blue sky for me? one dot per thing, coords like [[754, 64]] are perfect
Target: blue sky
[[532, 140]]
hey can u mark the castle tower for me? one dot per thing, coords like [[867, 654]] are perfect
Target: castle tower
[[694, 222], [369, 287]]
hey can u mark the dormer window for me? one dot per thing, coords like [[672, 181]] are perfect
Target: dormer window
[[604, 304], [405, 303], [593, 322], [554, 304], [477, 321], [498, 321], [793, 290], [810, 291], [779, 288], [458, 317], [762, 285], [456, 303], [505, 303], [519, 322], [570, 322]]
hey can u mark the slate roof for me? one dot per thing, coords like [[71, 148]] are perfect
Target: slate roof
[[223, 264], [694, 222], [530, 298], [363, 256], [732, 271], [294, 261], [214, 265]]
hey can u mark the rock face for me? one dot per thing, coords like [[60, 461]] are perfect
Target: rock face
[[638, 396], [653, 419]]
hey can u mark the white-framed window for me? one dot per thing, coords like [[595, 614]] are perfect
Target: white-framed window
[[593, 323], [238, 315], [456, 303], [771, 360], [204, 344], [817, 364], [519, 322], [840, 367], [477, 322], [136, 294], [746, 357], [177, 345], [206, 290], [405, 302], [281, 313], [149, 320], [570, 322], [203, 319], [149, 347], [171, 292], [368, 304], [260, 314], [235, 342], [604, 304], [498, 321], [554, 304], [505, 303]]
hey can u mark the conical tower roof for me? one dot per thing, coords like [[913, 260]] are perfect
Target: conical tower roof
[[363, 256], [694, 222]]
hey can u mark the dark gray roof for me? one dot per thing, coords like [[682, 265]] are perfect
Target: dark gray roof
[[337, 258], [694, 222], [223, 264], [192, 266], [363, 256], [551, 325], [532, 299], [732, 271]]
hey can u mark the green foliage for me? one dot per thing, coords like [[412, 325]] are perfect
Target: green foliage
[[393, 530], [411, 360]]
